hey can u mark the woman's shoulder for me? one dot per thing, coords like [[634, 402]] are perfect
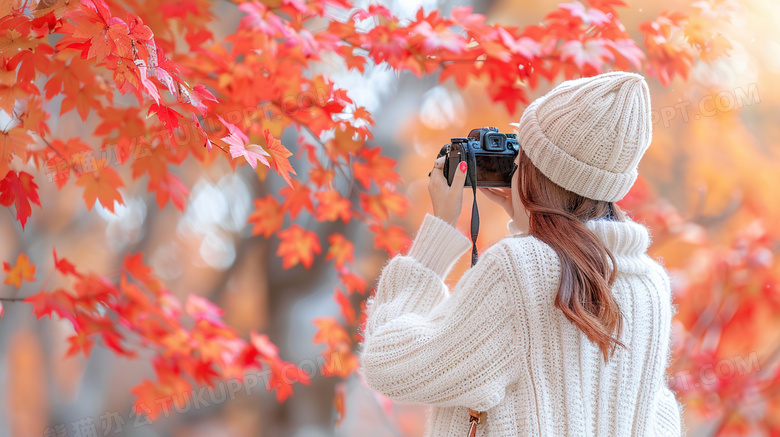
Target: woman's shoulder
[[526, 260], [525, 248]]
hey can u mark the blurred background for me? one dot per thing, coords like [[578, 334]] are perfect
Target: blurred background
[[708, 192]]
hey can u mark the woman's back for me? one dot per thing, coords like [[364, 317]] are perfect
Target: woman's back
[[568, 386], [498, 343]]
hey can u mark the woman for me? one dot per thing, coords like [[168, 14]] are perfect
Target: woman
[[561, 329]]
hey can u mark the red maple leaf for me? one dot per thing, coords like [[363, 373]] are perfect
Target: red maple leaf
[[19, 190], [168, 117]]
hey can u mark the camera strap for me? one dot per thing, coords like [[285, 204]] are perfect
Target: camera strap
[[474, 209]]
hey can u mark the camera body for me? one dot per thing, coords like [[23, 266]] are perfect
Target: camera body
[[493, 153]]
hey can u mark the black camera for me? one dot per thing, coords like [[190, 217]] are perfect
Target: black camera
[[492, 153]]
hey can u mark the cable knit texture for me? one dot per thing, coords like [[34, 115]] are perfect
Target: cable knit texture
[[587, 135], [498, 344]]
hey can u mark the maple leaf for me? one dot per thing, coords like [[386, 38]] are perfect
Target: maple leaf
[[354, 283], [593, 53], [169, 187], [58, 302], [352, 60], [279, 155], [321, 177], [149, 396], [101, 185], [64, 266], [12, 143], [19, 190], [341, 250], [239, 147], [267, 217], [331, 206], [264, 347], [628, 50], [102, 33], [281, 378], [66, 156], [199, 130], [134, 266], [200, 308], [380, 205], [168, 117], [339, 359], [198, 97], [21, 271], [79, 342], [137, 29], [587, 15], [347, 310], [393, 239], [439, 36], [330, 331], [461, 70], [377, 168], [346, 140], [298, 246], [297, 196]]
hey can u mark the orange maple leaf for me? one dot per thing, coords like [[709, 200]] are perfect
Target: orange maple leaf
[[341, 250], [267, 216], [393, 239], [101, 185], [22, 271], [331, 206], [297, 196], [279, 155], [13, 142], [380, 205], [321, 176], [347, 310], [377, 168], [352, 281], [298, 246], [330, 331]]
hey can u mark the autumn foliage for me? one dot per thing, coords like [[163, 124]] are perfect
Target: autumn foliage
[[162, 89]]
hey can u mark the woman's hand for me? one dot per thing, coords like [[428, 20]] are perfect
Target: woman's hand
[[447, 200], [502, 196]]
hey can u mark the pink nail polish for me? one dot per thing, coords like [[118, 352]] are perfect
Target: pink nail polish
[[463, 166]]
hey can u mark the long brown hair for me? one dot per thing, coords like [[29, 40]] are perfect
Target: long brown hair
[[557, 217]]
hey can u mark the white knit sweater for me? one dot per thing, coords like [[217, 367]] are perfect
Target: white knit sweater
[[498, 344]]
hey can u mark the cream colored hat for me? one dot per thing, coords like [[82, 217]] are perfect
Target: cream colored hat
[[587, 135]]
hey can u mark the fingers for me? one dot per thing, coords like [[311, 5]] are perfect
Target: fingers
[[496, 193], [437, 174], [493, 196], [438, 168], [459, 180], [505, 192]]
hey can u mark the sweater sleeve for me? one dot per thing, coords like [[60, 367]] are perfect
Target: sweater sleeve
[[422, 345], [667, 413], [667, 420]]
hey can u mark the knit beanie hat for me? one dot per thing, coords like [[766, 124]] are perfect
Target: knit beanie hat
[[587, 135]]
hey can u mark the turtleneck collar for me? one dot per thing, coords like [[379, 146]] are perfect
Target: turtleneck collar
[[627, 240]]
